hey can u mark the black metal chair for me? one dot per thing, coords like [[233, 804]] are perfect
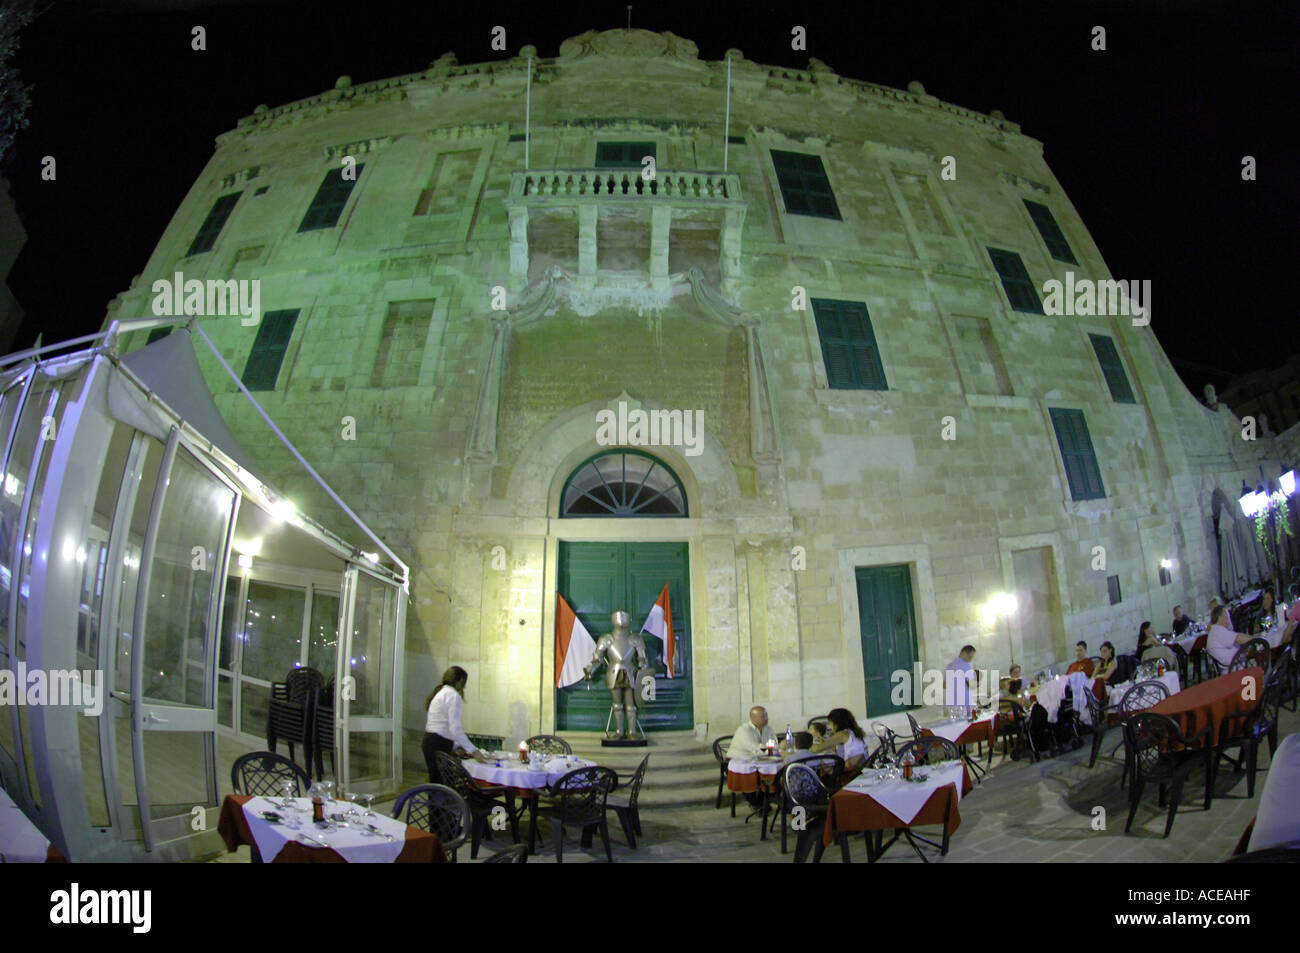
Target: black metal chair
[[1243, 730], [622, 801], [291, 712], [720, 747], [1100, 715], [1012, 727], [805, 793], [1255, 653], [888, 740], [1140, 697], [827, 767], [914, 725], [260, 773], [437, 809], [514, 854], [931, 750], [549, 744], [1159, 752], [483, 801], [1202, 663], [580, 801], [323, 729]]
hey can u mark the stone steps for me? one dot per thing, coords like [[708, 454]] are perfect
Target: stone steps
[[682, 770]]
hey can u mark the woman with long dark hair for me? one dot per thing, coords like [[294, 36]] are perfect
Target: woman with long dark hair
[[442, 730], [846, 737], [1149, 648]]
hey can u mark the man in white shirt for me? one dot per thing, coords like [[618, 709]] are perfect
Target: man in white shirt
[[752, 736], [958, 678], [1221, 642]]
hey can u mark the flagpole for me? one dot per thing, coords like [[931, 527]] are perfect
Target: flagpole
[[726, 123], [528, 110]]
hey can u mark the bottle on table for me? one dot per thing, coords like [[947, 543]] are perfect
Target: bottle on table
[[789, 738], [908, 761], [317, 804]]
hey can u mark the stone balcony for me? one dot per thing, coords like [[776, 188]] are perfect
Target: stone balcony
[[615, 221]]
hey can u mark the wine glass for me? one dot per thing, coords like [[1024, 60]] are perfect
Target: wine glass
[[327, 792], [352, 797], [365, 800], [288, 787]]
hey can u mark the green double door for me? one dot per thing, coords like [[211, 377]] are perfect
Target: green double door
[[888, 634], [597, 579]]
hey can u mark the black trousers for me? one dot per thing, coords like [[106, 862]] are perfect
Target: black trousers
[[432, 744]]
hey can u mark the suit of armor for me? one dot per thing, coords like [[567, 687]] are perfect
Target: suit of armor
[[623, 655]]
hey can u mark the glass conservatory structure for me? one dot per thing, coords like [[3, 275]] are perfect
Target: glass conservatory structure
[[152, 589]]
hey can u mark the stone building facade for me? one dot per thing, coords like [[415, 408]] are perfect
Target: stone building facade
[[875, 463]]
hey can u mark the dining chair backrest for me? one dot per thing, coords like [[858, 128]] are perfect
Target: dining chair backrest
[[888, 740], [437, 809], [828, 767], [1152, 738], [454, 775], [581, 794], [261, 772], [821, 720], [1255, 653], [914, 725], [804, 787], [633, 786], [1142, 696], [930, 750], [514, 854], [720, 747], [549, 744]]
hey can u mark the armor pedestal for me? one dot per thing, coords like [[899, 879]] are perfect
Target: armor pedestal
[[623, 742]]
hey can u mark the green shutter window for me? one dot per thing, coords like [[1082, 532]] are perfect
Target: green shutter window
[[804, 185], [1051, 232], [1113, 368], [1015, 281], [330, 198], [1077, 454], [848, 345], [212, 225], [263, 367], [622, 155]]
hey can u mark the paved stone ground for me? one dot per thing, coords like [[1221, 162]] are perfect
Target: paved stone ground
[[1022, 813]]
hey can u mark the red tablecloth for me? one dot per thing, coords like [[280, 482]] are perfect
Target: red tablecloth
[[422, 847], [851, 811], [752, 783], [1206, 704]]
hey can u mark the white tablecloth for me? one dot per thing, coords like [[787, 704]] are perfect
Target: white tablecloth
[[515, 774], [904, 799], [952, 730], [1115, 693], [751, 766], [354, 844], [1274, 635], [20, 840]]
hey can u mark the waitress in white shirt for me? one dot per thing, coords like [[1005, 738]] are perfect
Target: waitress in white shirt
[[442, 730]]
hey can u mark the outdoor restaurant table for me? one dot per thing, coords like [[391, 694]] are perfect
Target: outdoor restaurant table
[[241, 822], [966, 732], [1116, 693], [866, 804], [515, 774], [1208, 703], [751, 775]]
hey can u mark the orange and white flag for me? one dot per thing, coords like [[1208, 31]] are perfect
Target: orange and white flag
[[660, 625], [574, 646]]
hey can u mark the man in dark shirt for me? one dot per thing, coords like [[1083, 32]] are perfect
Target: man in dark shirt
[[1181, 622]]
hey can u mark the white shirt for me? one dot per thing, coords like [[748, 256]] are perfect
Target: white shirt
[[747, 740], [853, 748], [1277, 822], [956, 689], [1221, 642], [444, 718]]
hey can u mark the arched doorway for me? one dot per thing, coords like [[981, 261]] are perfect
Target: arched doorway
[[597, 578]]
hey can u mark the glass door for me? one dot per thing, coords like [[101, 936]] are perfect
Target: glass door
[[373, 615], [173, 648]]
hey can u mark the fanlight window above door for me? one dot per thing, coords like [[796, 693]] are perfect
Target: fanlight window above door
[[623, 483]]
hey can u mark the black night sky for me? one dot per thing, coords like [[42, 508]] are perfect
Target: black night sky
[[1147, 137]]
